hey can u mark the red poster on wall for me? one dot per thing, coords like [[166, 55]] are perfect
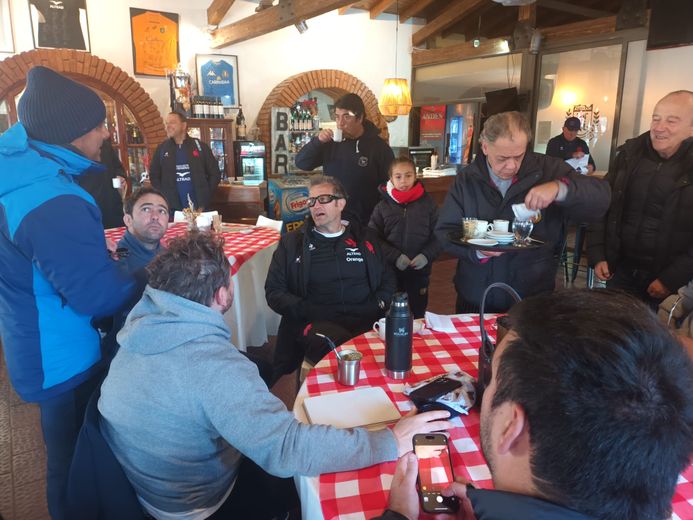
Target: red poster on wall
[[432, 126]]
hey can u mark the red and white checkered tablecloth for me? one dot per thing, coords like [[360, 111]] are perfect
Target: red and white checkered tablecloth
[[239, 247], [362, 494]]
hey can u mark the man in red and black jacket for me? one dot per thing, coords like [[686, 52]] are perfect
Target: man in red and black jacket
[[330, 276]]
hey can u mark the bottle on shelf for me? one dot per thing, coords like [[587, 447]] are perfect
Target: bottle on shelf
[[240, 124], [434, 160]]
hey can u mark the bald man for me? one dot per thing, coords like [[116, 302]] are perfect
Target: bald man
[[644, 244]]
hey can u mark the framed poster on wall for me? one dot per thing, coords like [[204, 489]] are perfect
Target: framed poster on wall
[[6, 41], [154, 41], [60, 24], [217, 75]]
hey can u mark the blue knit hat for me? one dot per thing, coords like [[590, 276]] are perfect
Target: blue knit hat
[[57, 110]]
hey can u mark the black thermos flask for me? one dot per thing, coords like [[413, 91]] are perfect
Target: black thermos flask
[[398, 337]]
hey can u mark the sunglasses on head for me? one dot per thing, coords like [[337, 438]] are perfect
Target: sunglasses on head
[[322, 199]]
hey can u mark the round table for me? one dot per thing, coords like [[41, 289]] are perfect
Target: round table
[[362, 494]]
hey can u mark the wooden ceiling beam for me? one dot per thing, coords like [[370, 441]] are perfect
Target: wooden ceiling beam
[[379, 8], [462, 51], [499, 46], [286, 13], [579, 29], [455, 11], [217, 10], [344, 9], [587, 12], [528, 13], [414, 8]]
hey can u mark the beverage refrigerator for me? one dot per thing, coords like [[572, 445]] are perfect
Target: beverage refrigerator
[[249, 159]]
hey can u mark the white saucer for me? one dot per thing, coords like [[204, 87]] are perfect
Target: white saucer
[[482, 242], [500, 235]]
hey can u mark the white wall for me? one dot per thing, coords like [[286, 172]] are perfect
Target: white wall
[[352, 42]]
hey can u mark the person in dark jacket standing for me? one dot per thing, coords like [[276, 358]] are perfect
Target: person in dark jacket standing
[[644, 244], [503, 175], [330, 275], [405, 220], [183, 166], [100, 186], [360, 159], [568, 145], [604, 436]]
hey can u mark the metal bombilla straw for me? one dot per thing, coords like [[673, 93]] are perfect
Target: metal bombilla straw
[[330, 344]]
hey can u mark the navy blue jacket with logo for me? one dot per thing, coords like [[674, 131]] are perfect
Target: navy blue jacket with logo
[[204, 171], [361, 165]]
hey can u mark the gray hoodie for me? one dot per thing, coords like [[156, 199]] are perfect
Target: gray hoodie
[[181, 406]]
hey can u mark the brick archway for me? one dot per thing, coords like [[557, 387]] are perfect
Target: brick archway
[[333, 82], [93, 71]]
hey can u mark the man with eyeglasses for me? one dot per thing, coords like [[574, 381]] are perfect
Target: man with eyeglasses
[[328, 277], [360, 160], [56, 275]]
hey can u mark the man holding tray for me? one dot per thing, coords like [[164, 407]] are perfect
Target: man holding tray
[[503, 175]]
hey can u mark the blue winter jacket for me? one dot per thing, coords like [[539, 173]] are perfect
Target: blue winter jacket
[[55, 272]]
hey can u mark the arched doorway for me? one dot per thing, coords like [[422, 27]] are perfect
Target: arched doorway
[[334, 83], [104, 77]]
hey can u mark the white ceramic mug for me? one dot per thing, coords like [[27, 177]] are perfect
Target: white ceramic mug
[[337, 136], [379, 327], [501, 225]]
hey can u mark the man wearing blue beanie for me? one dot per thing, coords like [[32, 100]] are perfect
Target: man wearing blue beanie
[[56, 275]]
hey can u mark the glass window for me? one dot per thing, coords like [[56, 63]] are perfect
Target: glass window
[[581, 83]]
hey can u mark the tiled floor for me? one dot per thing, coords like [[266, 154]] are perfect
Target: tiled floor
[[22, 455]]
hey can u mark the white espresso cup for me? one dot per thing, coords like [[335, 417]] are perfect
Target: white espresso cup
[[501, 225], [116, 182], [480, 228], [337, 136]]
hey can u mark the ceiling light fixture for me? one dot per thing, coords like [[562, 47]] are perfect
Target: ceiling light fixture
[[302, 26], [395, 98]]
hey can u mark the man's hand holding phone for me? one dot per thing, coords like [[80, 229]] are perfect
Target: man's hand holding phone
[[404, 498]]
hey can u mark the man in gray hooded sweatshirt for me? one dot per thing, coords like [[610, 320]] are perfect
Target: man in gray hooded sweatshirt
[[191, 421]]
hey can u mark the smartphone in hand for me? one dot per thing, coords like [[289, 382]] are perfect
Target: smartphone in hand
[[435, 472]]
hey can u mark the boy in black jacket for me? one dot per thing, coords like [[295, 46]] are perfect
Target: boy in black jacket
[[405, 220]]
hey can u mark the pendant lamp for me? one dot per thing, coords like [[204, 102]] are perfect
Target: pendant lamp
[[395, 98]]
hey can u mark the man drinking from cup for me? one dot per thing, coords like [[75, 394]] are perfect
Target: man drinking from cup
[[354, 153], [503, 175]]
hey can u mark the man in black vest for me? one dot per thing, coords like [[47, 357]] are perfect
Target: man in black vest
[[183, 166], [644, 244]]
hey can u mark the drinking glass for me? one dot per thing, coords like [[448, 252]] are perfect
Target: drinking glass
[[522, 229]]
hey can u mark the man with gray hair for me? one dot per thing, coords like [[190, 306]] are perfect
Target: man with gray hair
[[644, 244], [506, 173]]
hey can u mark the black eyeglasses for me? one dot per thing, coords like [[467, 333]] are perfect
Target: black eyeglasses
[[322, 199]]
